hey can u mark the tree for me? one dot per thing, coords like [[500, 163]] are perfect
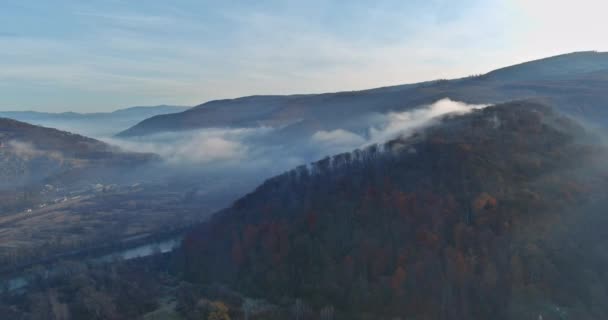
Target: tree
[[397, 280], [219, 311], [484, 201], [327, 313]]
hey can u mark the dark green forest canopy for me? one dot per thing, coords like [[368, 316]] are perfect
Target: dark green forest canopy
[[484, 215]]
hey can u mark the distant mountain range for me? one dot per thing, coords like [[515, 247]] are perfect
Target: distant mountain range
[[575, 83], [126, 112], [89, 123]]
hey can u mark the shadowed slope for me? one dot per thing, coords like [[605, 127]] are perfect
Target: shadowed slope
[[465, 220]]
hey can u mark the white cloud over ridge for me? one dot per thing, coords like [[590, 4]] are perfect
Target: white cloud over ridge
[[404, 123], [389, 126]]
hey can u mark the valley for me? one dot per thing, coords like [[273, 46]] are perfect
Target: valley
[[470, 198], [85, 222], [303, 160]]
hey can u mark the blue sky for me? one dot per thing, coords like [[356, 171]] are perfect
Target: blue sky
[[102, 55]]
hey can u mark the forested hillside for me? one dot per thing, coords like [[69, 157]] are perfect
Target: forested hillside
[[483, 216], [32, 156], [34, 153]]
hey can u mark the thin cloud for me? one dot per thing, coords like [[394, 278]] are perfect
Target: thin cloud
[[28, 151], [130, 19], [192, 52], [337, 138], [8, 34]]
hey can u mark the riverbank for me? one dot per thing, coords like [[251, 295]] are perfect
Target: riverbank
[[18, 277]]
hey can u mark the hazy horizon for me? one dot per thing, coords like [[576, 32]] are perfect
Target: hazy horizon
[[101, 56]]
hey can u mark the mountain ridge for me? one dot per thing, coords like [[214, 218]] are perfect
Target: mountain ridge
[[152, 109], [99, 124], [328, 110]]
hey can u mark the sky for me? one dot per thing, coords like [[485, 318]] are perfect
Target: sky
[[90, 56]]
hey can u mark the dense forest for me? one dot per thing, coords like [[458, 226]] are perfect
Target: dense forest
[[497, 214]]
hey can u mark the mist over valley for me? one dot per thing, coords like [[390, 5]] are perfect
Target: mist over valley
[[307, 161]]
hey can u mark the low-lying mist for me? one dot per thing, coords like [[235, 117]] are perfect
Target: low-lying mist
[[200, 147], [26, 150], [264, 151], [220, 160]]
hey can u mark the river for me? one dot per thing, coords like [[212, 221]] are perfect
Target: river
[[144, 250]]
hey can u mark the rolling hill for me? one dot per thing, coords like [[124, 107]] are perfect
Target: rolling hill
[[34, 154], [574, 83], [496, 214]]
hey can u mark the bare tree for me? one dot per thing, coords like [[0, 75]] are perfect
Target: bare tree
[[327, 313]]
